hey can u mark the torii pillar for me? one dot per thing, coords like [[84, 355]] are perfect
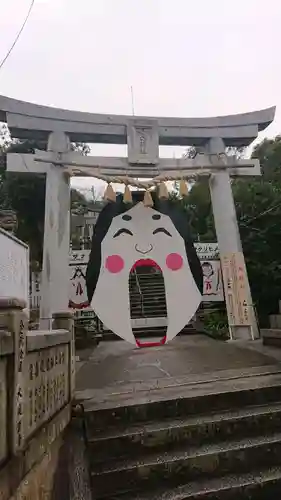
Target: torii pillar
[[239, 304], [55, 270]]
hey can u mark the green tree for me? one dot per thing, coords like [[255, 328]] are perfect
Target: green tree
[[269, 153], [258, 207], [25, 194]]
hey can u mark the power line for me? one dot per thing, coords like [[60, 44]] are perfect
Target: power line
[[261, 214], [18, 35]]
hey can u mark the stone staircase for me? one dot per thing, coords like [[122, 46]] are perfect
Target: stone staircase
[[147, 294], [212, 440]]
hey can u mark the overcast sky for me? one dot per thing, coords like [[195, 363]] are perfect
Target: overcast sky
[[182, 57]]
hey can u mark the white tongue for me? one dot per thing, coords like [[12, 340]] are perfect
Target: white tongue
[[111, 302]]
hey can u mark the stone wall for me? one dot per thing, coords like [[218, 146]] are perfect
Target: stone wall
[[37, 373]]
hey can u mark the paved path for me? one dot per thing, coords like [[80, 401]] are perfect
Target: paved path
[[116, 365]]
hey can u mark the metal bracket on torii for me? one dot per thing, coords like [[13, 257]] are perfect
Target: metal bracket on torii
[[143, 136]]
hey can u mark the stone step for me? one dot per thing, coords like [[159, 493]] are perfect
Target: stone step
[[149, 312], [147, 287], [147, 303], [271, 336], [146, 278], [160, 332], [149, 296], [149, 293], [176, 400], [187, 464], [275, 320], [139, 440], [149, 332], [258, 485], [151, 277]]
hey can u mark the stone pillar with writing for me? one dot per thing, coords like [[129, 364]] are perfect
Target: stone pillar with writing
[[65, 321], [240, 309], [14, 321]]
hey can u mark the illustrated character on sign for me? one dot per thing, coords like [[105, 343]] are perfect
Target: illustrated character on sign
[[129, 235], [78, 298], [211, 279]]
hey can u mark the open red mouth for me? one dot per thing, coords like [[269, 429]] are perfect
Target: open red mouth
[[145, 263], [149, 266]]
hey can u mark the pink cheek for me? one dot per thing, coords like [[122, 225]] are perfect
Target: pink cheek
[[174, 261], [114, 264]]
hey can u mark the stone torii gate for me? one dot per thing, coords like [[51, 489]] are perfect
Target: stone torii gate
[[143, 135]]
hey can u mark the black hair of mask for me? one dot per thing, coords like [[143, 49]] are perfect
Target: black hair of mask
[[163, 206]]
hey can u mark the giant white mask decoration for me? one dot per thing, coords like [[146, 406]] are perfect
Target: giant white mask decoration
[[125, 235]]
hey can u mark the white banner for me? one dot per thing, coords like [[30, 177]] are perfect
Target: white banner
[[78, 261], [212, 281], [14, 267]]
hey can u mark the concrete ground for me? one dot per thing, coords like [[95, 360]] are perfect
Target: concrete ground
[[118, 368]]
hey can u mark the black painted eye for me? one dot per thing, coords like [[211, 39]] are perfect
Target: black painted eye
[[121, 231], [162, 230], [156, 216], [126, 217]]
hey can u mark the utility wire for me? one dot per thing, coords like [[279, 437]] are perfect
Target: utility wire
[[261, 214], [18, 35]]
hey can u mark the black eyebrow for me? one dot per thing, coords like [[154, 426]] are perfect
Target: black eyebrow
[[126, 217], [156, 216], [121, 231], [161, 230]]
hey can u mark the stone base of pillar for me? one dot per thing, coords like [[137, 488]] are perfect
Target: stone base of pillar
[[240, 333]]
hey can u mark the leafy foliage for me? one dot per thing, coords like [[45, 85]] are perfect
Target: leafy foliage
[[258, 208], [216, 324], [25, 194]]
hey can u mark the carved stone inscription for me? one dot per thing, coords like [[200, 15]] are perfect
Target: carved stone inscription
[[19, 385], [47, 385], [143, 142]]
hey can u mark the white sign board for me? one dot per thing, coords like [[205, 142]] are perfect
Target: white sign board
[[234, 272], [78, 300], [208, 254], [207, 251], [14, 267]]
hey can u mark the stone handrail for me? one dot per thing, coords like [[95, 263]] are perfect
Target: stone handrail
[[37, 372]]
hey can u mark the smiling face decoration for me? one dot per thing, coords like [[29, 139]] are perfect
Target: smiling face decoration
[[126, 236]]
